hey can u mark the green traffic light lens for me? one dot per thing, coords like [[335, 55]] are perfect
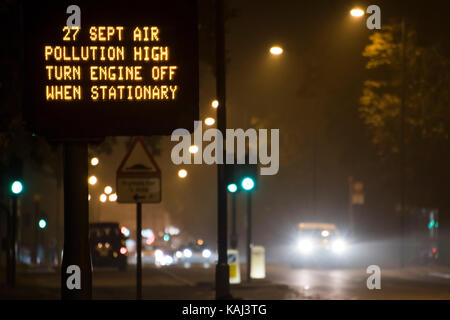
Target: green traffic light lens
[[16, 187], [42, 223], [232, 187], [248, 184]]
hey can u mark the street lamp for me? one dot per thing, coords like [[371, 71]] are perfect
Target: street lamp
[[356, 12], [193, 149], [182, 173], [112, 197], [94, 161], [215, 104], [209, 121], [103, 197], [108, 190], [276, 50], [92, 180]]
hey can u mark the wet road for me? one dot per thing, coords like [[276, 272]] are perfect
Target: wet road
[[410, 283]]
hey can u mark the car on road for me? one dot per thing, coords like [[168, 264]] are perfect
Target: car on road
[[107, 245], [158, 255], [194, 253], [319, 244]]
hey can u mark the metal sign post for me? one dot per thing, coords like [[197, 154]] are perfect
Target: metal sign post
[[138, 181], [249, 234], [138, 249], [12, 239], [222, 268]]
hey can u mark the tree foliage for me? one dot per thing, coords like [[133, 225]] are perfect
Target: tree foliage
[[426, 111]]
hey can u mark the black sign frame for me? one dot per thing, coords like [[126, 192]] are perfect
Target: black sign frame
[[93, 120]]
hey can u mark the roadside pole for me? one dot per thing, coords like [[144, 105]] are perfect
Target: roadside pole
[[403, 148], [249, 234], [350, 205], [138, 181], [76, 224], [222, 268], [13, 243], [234, 236], [138, 249]]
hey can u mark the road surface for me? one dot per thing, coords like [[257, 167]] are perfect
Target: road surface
[[283, 282]]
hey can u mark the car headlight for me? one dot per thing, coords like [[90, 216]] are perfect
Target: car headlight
[[159, 254], [206, 253], [339, 246], [167, 260], [178, 254], [305, 246], [187, 253]]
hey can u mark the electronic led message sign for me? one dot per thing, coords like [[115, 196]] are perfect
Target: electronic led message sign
[[130, 68]]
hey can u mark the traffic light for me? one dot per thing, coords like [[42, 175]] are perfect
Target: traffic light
[[15, 175], [16, 187], [42, 223], [241, 177], [248, 183], [246, 175], [232, 187]]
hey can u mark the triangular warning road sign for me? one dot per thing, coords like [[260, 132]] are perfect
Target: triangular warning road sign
[[138, 161]]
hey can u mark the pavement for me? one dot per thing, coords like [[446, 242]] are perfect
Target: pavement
[[158, 283]]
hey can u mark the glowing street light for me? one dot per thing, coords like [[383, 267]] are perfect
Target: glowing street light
[[108, 189], [92, 180], [215, 104], [182, 173], [276, 50], [103, 197], [94, 161], [356, 12], [209, 121], [112, 197], [193, 149]]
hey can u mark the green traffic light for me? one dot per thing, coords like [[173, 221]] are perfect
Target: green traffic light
[[431, 224], [42, 223], [16, 187], [232, 187], [166, 237], [248, 184]]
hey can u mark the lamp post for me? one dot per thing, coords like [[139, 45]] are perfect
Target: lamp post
[[222, 267], [16, 189], [356, 12], [232, 188], [248, 184], [403, 145]]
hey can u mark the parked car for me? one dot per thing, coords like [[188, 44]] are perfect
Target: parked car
[[107, 245]]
